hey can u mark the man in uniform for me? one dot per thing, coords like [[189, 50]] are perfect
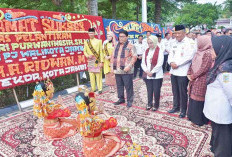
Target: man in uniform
[[93, 53], [181, 54]]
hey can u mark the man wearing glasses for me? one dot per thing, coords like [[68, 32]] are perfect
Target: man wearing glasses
[[122, 64]]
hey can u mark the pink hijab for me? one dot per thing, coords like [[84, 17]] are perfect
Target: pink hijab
[[204, 45]]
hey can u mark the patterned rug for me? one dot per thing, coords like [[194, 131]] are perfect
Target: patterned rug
[[158, 133]]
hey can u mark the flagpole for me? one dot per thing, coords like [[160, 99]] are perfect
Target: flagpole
[[144, 10]]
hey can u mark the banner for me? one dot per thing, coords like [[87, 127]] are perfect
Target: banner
[[167, 30], [40, 44], [133, 28]]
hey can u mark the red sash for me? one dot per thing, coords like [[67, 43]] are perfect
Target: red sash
[[154, 59]]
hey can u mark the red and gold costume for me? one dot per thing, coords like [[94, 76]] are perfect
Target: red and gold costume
[[91, 127], [55, 125]]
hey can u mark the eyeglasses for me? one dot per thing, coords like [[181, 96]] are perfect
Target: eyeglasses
[[122, 36]]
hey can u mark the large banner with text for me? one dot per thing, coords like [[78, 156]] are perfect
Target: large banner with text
[[134, 28], [35, 45], [167, 30]]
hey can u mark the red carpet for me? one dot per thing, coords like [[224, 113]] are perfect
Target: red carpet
[[158, 133]]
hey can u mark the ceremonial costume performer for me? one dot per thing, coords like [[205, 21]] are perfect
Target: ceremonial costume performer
[[108, 48], [197, 73], [94, 54], [218, 98], [153, 72], [180, 57], [55, 125], [95, 143]]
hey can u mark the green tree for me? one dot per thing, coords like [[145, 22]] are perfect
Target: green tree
[[198, 14], [160, 3], [72, 6], [226, 11]]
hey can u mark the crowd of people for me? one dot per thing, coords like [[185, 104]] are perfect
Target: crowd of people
[[200, 67]]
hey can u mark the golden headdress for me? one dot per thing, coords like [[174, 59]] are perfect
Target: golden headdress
[[85, 103], [43, 106]]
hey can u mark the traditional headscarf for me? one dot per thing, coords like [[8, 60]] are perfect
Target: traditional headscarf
[[223, 63], [204, 44], [113, 41], [154, 39]]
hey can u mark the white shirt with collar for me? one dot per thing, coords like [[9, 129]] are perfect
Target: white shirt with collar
[[218, 100], [182, 54], [158, 68], [145, 43], [167, 44], [140, 48]]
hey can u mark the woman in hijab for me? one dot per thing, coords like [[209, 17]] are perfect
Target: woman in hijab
[[218, 98], [108, 47], [152, 62], [197, 74]]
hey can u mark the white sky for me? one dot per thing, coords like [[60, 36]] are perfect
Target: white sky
[[211, 1]]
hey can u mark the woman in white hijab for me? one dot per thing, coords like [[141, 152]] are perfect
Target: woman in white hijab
[[152, 62]]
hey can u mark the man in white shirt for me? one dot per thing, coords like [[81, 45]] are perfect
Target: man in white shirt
[[145, 39], [140, 49], [173, 39], [180, 57], [166, 43]]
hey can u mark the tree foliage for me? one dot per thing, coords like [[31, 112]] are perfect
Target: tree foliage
[[226, 9], [198, 14]]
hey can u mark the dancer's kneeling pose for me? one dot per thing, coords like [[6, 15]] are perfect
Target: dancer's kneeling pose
[[55, 125], [95, 143]]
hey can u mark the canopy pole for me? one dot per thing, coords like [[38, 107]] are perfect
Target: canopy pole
[[17, 101], [78, 82]]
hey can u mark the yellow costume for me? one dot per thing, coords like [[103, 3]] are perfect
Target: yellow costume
[[97, 45], [108, 52]]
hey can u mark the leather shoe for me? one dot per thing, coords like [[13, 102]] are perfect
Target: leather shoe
[[119, 102], [128, 105], [148, 107], [100, 92], [174, 110], [154, 109], [182, 115]]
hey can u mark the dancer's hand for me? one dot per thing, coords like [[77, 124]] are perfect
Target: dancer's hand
[[106, 114], [61, 102], [101, 108]]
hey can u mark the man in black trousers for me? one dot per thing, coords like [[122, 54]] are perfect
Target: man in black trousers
[[140, 49], [122, 64], [180, 57]]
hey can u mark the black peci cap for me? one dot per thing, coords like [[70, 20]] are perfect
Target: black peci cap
[[179, 27], [91, 30]]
